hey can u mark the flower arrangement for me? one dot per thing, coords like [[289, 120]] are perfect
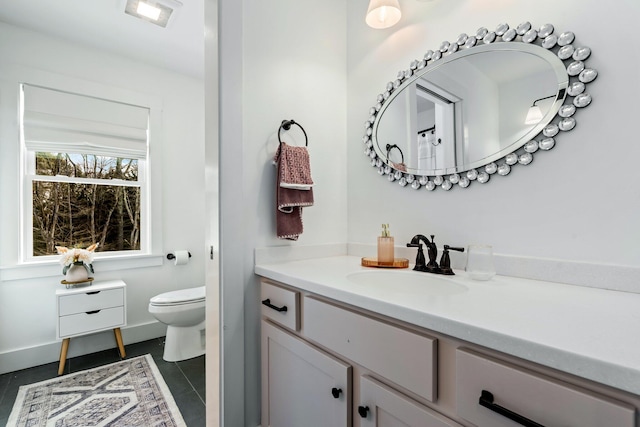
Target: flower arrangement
[[76, 256]]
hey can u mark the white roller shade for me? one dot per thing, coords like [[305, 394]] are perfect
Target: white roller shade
[[56, 121]]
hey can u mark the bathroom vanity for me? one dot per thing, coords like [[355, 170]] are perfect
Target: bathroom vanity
[[345, 345], [89, 309]]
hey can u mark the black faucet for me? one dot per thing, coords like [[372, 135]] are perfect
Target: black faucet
[[432, 250], [432, 266]]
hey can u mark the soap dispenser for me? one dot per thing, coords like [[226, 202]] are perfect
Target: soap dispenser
[[385, 247]]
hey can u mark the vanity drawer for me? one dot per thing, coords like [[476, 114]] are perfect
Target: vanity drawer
[[280, 305], [93, 321], [89, 301], [537, 398], [408, 359]]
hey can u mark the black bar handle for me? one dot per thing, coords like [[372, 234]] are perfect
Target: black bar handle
[[486, 400], [93, 293], [335, 392], [362, 410], [267, 302], [92, 312]]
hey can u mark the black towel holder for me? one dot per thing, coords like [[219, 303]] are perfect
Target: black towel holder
[[391, 147], [286, 125]]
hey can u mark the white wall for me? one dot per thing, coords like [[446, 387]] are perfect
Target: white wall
[[308, 61], [291, 58], [578, 202], [27, 306]]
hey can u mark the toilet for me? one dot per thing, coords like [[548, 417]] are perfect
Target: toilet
[[183, 311]]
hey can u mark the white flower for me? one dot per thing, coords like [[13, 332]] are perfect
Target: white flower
[[75, 255]]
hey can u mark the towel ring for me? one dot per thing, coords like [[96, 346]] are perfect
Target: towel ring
[[286, 125], [391, 147]]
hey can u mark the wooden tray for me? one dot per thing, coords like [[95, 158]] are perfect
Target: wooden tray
[[86, 282], [397, 263]]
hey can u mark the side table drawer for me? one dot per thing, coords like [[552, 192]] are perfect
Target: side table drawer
[[89, 301], [280, 305], [485, 386], [84, 323]]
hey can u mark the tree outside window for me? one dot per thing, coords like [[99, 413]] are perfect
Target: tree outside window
[[68, 213]]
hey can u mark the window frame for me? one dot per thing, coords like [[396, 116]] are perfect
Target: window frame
[[149, 176]]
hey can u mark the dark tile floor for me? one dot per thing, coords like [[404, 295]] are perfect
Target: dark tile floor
[[185, 379]]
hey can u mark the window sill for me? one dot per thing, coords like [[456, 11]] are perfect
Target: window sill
[[32, 270]]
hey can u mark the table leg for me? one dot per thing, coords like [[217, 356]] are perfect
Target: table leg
[[118, 334], [63, 355]]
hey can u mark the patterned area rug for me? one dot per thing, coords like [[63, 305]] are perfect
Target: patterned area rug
[[127, 393]]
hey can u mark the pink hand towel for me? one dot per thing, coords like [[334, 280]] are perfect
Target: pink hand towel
[[294, 171]]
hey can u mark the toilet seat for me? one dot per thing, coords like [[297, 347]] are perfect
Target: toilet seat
[[179, 297]]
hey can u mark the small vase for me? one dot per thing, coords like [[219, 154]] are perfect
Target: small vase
[[77, 272]]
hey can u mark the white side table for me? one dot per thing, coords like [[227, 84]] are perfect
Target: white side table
[[89, 309]]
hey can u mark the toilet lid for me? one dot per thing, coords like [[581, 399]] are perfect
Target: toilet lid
[[179, 297]]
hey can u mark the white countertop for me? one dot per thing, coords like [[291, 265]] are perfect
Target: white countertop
[[589, 332]]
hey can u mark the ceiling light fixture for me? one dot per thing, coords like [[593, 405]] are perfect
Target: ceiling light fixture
[[383, 13], [151, 12], [156, 12]]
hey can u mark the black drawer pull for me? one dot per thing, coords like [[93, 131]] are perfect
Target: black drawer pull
[[335, 392], [267, 302], [93, 293], [362, 410], [486, 400], [92, 312]]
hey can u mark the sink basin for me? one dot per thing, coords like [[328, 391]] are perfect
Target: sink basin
[[413, 282]]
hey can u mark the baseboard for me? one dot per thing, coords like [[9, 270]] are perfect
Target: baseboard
[[23, 358]]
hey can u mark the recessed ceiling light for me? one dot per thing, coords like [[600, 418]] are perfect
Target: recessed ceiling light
[[150, 11]]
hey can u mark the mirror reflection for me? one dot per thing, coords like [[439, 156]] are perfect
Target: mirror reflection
[[471, 110]]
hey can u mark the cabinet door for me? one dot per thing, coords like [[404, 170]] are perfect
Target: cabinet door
[[381, 406], [302, 385]]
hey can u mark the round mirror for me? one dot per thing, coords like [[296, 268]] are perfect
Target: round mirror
[[463, 114]]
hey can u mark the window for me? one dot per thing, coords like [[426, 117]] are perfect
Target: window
[[84, 180]]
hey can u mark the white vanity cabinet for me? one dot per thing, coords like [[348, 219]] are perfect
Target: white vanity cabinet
[[393, 374], [341, 368]]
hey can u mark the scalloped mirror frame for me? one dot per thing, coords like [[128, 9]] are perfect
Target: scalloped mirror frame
[[576, 97]]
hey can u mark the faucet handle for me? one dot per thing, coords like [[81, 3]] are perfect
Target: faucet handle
[[420, 261], [445, 261]]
